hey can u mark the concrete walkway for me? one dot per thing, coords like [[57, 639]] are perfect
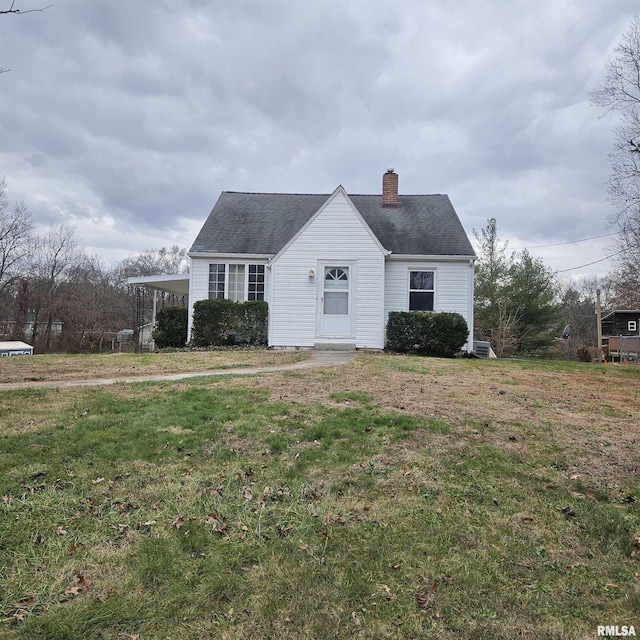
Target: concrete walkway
[[318, 359]]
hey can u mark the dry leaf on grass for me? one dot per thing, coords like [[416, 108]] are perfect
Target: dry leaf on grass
[[218, 523], [423, 599], [79, 585]]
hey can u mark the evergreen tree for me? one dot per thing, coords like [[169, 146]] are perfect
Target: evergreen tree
[[516, 305]]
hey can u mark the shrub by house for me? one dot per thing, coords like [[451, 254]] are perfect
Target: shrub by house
[[223, 322], [171, 327], [426, 333]]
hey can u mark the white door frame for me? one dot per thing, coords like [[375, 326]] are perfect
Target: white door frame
[[321, 330]]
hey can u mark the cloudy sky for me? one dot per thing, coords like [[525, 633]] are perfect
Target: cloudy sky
[[127, 118]]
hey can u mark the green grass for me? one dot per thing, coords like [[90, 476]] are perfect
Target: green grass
[[199, 509]]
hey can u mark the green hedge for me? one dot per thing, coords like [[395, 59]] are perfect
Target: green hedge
[[171, 327], [426, 333], [223, 322]]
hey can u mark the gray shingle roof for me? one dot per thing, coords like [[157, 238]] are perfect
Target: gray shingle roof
[[265, 222]]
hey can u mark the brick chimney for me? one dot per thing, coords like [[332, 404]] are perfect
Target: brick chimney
[[390, 189]]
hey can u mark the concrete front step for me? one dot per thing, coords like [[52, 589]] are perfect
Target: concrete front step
[[335, 346]]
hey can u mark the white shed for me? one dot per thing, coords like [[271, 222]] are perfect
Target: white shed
[[15, 348]]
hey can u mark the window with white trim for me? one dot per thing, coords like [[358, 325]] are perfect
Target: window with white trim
[[216, 281], [256, 282], [632, 325], [237, 282], [422, 290]]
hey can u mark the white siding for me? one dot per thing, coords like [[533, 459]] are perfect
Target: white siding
[[453, 292], [198, 285], [199, 279], [336, 234]]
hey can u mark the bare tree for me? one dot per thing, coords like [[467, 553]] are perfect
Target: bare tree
[[53, 255], [578, 300], [15, 233], [17, 11], [13, 10], [151, 262], [93, 306], [620, 94], [625, 285]]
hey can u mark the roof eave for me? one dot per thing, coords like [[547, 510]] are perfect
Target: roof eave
[[173, 283], [230, 256], [442, 258]]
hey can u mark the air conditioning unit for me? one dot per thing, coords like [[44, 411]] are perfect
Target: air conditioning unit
[[482, 348]]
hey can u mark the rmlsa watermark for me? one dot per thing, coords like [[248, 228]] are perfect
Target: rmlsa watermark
[[615, 631]]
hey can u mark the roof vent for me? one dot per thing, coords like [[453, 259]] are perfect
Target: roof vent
[[390, 189]]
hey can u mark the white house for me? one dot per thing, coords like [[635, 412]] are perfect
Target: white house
[[331, 267]]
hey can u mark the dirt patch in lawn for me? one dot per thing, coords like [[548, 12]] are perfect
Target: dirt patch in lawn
[[584, 419]]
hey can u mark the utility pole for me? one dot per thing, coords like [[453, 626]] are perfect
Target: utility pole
[[599, 323]]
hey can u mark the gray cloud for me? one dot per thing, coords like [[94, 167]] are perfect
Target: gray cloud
[[135, 115]]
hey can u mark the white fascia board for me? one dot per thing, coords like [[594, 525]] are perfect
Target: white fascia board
[[174, 277], [412, 257], [176, 283], [230, 256]]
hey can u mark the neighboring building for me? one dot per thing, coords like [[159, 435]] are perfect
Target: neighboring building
[[621, 323], [8, 328], [621, 335], [332, 267]]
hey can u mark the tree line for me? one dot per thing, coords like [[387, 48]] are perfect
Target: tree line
[[56, 296]]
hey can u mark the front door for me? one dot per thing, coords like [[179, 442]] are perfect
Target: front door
[[334, 303]]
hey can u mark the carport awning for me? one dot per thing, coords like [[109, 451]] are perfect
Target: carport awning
[[178, 284]]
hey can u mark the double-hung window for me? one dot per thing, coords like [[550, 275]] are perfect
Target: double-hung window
[[237, 282], [422, 290]]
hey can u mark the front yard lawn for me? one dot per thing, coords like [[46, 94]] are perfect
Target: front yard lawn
[[391, 497]]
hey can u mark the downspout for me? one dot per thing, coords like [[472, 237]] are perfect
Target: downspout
[[268, 274]]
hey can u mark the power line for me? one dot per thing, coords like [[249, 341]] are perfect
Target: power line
[[557, 244], [590, 263]]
